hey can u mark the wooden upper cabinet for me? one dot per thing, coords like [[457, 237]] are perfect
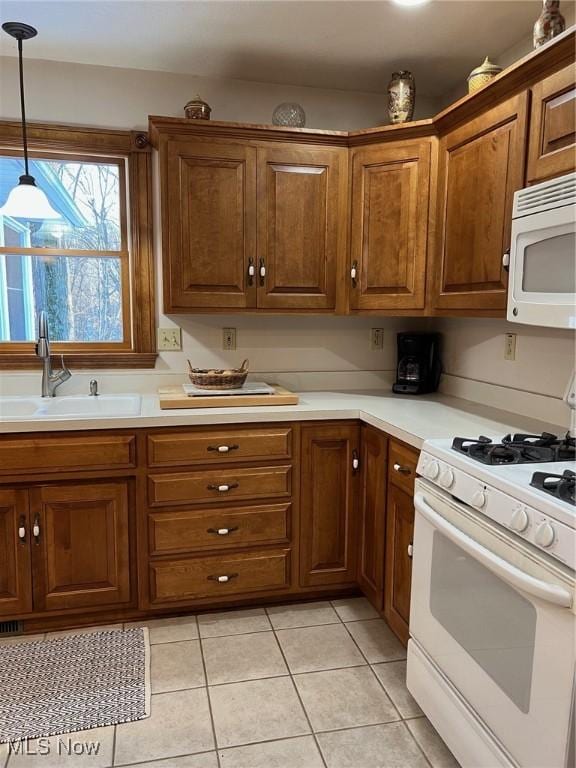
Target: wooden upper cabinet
[[481, 165], [208, 225], [552, 141], [390, 193], [15, 573], [302, 209], [81, 552], [328, 504]]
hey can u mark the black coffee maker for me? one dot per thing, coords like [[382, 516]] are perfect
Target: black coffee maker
[[418, 370]]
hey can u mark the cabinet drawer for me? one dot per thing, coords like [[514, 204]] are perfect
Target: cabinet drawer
[[198, 577], [402, 462], [186, 530], [49, 454], [230, 445], [218, 484]]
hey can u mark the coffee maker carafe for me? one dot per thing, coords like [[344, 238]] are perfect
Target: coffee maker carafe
[[418, 370]]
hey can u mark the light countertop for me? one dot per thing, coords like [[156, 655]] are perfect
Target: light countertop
[[411, 419]]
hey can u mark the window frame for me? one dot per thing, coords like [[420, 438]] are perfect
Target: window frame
[[137, 264]]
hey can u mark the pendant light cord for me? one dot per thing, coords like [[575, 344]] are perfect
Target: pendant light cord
[[22, 107]]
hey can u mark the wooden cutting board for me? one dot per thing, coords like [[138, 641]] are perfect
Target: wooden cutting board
[[174, 397]]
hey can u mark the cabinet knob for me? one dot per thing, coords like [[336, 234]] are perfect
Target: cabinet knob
[[262, 271], [410, 550], [251, 271], [22, 528], [355, 461], [506, 260], [36, 528], [222, 448], [402, 469], [223, 578], [354, 272], [222, 531], [223, 488]]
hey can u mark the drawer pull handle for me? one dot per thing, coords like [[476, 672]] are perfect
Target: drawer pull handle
[[410, 550], [222, 531], [355, 461], [402, 469], [22, 529], [36, 529], [223, 448], [251, 271], [222, 488], [354, 272], [224, 578]]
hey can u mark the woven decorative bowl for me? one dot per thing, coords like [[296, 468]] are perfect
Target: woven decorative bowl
[[215, 378]]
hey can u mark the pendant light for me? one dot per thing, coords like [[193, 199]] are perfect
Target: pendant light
[[26, 200]]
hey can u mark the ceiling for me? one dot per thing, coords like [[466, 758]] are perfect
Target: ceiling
[[352, 45]]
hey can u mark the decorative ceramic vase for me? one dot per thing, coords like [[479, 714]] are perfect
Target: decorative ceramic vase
[[401, 97], [482, 75], [289, 113], [197, 109], [549, 24]]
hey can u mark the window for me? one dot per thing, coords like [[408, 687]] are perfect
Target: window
[[91, 269]]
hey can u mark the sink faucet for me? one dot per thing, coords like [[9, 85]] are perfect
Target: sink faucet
[[51, 380]]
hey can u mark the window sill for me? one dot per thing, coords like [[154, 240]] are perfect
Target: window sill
[[80, 360]]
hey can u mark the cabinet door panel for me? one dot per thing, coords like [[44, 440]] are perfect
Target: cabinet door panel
[[373, 515], [209, 218], [300, 233], [390, 190], [328, 505], [15, 569], [481, 166], [552, 144], [82, 553], [399, 535]]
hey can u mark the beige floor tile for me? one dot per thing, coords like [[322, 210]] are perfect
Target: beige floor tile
[[3, 754], [376, 746], [344, 698], [355, 609], [432, 745], [176, 666], [392, 675], [233, 622], [376, 640], [169, 630], [242, 657], [20, 639], [302, 615], [82, 630], [92, 748], [301, 752], [179, 725], [257, 710], [309, 649], [205, 760]]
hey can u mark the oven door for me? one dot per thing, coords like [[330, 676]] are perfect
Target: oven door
[[542, 283], [498, 624]]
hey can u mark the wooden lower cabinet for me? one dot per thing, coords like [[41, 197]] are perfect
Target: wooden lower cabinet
[[15, 569], [330, 460], [81, 553], [398, 577], [372, 515]]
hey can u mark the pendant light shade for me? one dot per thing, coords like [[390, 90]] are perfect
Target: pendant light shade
[[25, 201]]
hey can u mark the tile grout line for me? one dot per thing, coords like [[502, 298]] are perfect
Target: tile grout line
[[161, 759], [212, 723]]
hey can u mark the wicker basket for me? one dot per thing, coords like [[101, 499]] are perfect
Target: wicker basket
[[214, 378]]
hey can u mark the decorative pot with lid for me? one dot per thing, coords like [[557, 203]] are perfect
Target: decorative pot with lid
[[197, 109], [482, 75]]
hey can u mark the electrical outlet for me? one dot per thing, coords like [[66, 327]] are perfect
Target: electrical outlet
[[229, 339], [169, 339], [509, 346], [377, 338]]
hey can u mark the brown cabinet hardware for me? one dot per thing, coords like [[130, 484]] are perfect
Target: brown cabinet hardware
[[262, 271], [223, 488], [222, 448], [355, 461], [223, 578], [36, 529], [402, 469], [251, 271], [354, 273], [222, 531], [410, 550], [22, 529]]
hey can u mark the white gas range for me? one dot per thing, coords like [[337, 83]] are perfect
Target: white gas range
[[492, 654]]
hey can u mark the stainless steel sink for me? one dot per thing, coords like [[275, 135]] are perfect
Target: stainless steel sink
[[69, 407]]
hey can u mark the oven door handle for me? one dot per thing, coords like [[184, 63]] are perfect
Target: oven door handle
[[551, 593]]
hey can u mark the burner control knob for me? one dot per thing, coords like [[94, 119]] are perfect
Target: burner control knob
[[519, 520], [447, 478], [544, 535], [479, 499], [432, 470]]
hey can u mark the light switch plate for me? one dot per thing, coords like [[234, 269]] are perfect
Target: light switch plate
[[169, 339], [377, 338], [229, 339]]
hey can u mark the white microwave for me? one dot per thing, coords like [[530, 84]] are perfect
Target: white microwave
[[542, 262]]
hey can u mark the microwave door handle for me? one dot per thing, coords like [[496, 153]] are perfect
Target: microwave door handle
[[550, 593]]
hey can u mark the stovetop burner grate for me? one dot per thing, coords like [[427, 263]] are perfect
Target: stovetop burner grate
[[561, 486], [517, 448]]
